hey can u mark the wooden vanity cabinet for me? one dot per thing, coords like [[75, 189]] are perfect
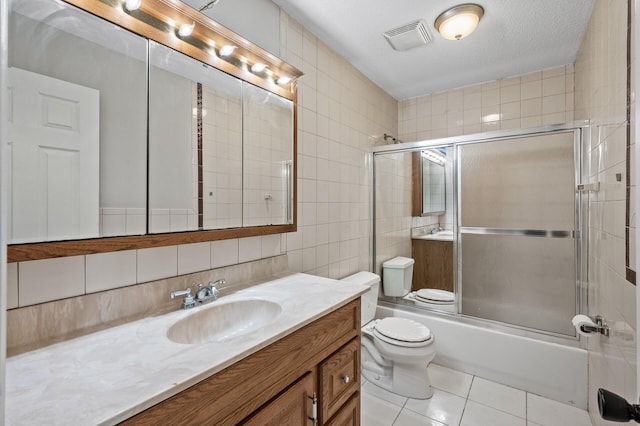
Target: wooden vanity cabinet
[[278, 384], [433, 266]]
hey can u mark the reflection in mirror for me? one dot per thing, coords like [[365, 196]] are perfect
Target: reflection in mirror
[[402, 178], [433, 181], [268, 158], [195, 144], [77, 125]]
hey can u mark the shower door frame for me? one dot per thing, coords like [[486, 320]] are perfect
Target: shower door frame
[[582, 137]]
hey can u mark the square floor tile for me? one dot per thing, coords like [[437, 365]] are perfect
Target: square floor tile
[[449, 380], [476, 414], [409, 418], [371, 389], [376, 411], [443, 406], [547, 412], [500, 397]]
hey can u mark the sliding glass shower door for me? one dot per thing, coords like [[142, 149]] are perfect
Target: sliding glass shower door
[[517, 225]]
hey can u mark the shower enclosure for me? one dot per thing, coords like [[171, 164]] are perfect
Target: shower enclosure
[[516, 205]]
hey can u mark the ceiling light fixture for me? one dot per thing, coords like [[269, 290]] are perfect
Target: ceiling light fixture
[[459, 21], [186, 29], [227, 50], [132, 5]]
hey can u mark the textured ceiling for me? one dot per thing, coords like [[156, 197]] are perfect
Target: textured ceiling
[[514, 37]]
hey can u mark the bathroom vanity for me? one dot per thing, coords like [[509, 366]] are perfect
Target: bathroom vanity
[[318, 364], [279, 367], [433, 254]]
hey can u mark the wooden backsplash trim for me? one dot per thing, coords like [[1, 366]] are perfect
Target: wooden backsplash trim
[[36, 251]]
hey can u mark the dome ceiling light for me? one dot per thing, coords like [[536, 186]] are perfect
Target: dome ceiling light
[[459, 21]]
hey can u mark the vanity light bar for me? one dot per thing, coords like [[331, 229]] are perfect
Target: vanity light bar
[[434, 156], [155, 19]]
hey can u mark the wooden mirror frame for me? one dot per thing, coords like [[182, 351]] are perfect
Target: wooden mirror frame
[[158, 20]]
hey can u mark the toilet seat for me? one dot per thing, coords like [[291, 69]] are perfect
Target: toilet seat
[[437, 297], [402, 332]]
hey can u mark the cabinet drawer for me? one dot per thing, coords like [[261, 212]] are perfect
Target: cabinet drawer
[[291, 408], [339, 378], [349, 414]]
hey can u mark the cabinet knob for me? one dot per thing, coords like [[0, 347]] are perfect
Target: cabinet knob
[[346, 379]]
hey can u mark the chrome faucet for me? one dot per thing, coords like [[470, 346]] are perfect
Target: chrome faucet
[[205, 294], [436, 230]]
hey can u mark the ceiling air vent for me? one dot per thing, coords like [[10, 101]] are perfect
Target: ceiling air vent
[[408, 36]]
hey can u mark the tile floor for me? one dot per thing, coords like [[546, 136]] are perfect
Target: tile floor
[[466, 400]]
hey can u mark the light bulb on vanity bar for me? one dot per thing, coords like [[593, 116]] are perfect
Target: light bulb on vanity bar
[[186, 29], [132, 5]]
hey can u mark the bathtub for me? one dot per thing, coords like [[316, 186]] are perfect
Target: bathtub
[[553, 370]]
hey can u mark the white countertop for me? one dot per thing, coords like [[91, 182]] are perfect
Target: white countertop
[[439, 236], [111, 375]]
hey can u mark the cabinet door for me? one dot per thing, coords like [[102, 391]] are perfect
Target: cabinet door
[[293, 407], [339, 377], [349, 414]]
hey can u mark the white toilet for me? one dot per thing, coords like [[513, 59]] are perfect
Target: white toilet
[[395, 351]]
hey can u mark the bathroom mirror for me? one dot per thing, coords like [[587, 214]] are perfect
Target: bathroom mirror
[[195, 144], [219, 162], [429, 182], [76, 127]]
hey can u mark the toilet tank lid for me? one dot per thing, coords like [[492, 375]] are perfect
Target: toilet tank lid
[[363, 278], [398, 262]]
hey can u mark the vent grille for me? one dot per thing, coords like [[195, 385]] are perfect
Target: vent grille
[[408, 36]]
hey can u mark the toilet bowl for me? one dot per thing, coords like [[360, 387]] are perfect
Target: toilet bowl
[[442, 300], [395, 351]]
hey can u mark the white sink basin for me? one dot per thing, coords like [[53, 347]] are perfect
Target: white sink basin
[[222, 321]]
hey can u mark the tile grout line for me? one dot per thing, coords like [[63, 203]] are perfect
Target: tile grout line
[[466, 400]]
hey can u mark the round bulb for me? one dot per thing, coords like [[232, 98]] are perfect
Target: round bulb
[[459, 21], [258, 67], [284, 80], [227, 50], [132, 5], [186, 29]]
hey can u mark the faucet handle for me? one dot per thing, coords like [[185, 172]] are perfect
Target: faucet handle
[[177, 293], [214, 284]]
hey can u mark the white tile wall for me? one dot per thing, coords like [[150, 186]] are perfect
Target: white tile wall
[[249, 249], [224, 253], [601, 96], [194, 257], [106, 271], [50, 279], [341, 115], [157, 263], [533, 99], [12, 285]]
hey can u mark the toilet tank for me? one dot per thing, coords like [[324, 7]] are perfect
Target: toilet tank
[[369, 299], [397, 274]]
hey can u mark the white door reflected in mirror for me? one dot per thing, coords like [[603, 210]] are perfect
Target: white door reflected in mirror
[[53, 152]]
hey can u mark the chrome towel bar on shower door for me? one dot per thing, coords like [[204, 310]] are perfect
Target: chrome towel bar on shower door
[[518, 232]]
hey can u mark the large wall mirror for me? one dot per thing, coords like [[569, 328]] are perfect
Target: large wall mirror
[[141, 136]]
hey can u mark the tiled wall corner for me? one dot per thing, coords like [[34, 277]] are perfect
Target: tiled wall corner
[[601, 96], [341, 115]]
